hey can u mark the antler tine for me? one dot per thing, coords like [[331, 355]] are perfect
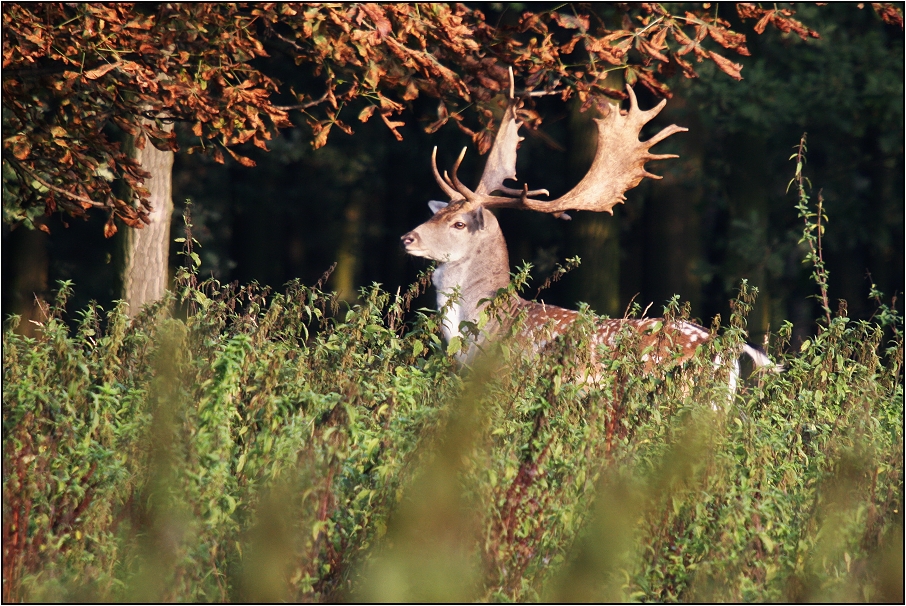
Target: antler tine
[[660, 156], [633, 100], [512, 84], [521, 192], [448, 189], [462, 154], [666, 132], [460, 187], [642, 117]]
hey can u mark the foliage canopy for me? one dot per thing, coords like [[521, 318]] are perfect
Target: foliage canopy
[[76, 75]]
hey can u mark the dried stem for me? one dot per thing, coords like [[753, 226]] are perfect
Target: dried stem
[[816, 253]]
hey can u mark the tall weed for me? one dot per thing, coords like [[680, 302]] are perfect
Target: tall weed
[[234, 444]]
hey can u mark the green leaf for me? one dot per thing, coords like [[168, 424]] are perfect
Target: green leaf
[[454, 346]]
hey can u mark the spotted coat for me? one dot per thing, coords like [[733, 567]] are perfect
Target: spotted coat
[[658, 341]]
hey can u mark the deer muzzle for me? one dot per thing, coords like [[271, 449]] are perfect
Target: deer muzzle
[[411, 242]]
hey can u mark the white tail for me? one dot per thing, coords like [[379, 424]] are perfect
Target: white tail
[[465, 239]]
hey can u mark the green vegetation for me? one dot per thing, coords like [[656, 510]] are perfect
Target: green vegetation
[[235, 444]]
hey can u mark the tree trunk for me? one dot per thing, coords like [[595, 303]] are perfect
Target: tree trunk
[[146, 251], [349, 259], [26, 259]]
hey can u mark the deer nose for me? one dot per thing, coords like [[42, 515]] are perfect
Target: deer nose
[[408, 239]]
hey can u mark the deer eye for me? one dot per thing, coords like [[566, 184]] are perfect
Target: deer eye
[[459, 225]]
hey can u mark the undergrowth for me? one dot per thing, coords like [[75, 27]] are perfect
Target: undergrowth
[[263, 446]]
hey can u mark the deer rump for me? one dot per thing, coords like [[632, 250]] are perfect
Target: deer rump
[[464, 237]]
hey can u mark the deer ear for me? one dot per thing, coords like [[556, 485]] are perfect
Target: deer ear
[[436, 205], [478, 214]]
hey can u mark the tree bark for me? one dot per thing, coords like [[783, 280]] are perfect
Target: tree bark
[[146, 251], [27, 251], [349, 259]]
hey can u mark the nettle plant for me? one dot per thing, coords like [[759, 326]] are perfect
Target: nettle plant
[[239, 444]]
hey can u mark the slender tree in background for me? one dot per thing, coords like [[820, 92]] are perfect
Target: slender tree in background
[[145, 263], [79, 79]]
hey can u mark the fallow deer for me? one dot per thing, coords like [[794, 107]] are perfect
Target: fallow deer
[[465, 239]]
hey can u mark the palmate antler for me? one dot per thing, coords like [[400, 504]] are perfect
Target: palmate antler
[[619, 165]]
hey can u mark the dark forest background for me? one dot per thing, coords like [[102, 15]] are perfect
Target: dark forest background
[[721, 214]]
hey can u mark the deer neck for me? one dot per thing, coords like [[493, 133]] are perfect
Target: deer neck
[[465, 286]]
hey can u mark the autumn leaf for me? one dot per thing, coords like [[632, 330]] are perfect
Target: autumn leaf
[[389, 105], [688, 70], [343, 126], [729, 40], [570, 46], [442, 117], [127, 127], [483, 141], [571, 21], [373, 75], [763, 22], [241, 159], [366, 113], [392, 125], [652, 51], [658, 40], [96, 73], [378, 17], [890, 13], [651, 83], [21, 148], [109, 227], [630, 75], [727, 66], [321, 134], [379, 56], [411, 91]]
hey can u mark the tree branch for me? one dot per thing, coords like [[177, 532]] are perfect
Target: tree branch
[[166, 119], [312, 103], [52, 187]]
